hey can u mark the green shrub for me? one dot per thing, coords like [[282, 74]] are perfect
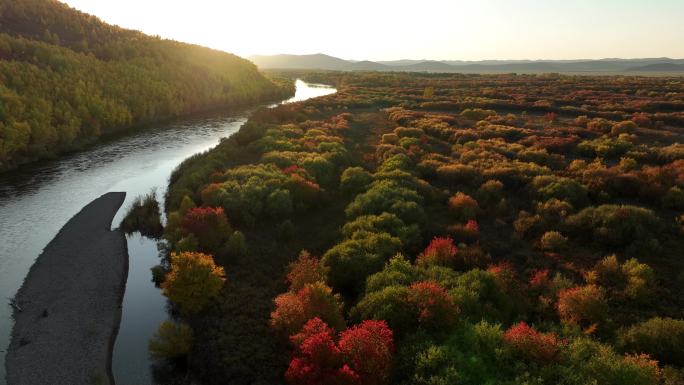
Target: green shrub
[[412, 132], [661, 338], [631, 279], [593, 362], [349, 263], [398, 272], [236, 244], [564, 189], [158, 274], [476, 113], [604, 147], [622, 226], [468, 356], [674, 198], [490, 193], [285, 230], [171, 341], [144, 216], [355, 180], [479, 297], [387, 196], [390, 304], [251, 192], [457, 174], [384, 223]]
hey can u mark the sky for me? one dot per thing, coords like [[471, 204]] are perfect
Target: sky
[[399, 29]]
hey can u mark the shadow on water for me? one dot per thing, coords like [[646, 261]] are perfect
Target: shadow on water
[[36, 201]]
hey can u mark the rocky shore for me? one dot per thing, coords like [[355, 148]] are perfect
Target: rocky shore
[[68, 310]]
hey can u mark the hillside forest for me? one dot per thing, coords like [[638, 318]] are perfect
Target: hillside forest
[[436, 229], [67, 79]]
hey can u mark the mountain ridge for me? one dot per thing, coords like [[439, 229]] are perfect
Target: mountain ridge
[[322, 61]]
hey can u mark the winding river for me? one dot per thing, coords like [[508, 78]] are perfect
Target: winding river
[[37, 200]]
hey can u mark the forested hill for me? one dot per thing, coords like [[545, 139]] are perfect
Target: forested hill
[[67, 78]]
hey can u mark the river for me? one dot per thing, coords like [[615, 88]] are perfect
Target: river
[[37, 200]]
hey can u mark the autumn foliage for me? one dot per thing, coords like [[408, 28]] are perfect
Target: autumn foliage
[[194, 279], [582, 305], [436, 308], [463, 206], [532, 344], [363, 355], [210, 226], [306, 269], [441, 251], [368, 349], [294, 309], [526, 182]]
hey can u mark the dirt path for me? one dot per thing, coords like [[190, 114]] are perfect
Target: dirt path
[[71, 302]]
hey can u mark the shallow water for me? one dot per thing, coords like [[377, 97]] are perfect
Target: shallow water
[[36, 201]]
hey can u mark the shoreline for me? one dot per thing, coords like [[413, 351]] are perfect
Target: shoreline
[[71, 302], [137, 128]]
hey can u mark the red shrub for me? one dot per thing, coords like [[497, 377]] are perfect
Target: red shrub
[[540, 280], [440, 251], [210, 226], [362, 356], [472, 226], [291, 169], [320, 361], [531, 344], [436, 308], [368, 349], [312, 327]]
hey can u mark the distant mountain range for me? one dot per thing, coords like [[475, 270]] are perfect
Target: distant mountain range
[[326, 62]]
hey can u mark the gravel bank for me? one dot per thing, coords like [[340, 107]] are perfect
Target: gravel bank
[[71, 302]]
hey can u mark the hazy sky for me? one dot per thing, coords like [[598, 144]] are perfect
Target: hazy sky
[[397, 29]]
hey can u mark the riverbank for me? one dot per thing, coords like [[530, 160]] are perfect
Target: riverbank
[[69, 307]]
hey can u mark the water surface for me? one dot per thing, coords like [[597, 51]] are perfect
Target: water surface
[[36, 201]]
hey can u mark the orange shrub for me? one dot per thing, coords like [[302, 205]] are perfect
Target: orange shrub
[[463, 206], [294, 309], [306, 269], [582, 305]]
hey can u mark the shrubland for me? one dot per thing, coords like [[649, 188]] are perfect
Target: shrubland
[[499, 229]]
